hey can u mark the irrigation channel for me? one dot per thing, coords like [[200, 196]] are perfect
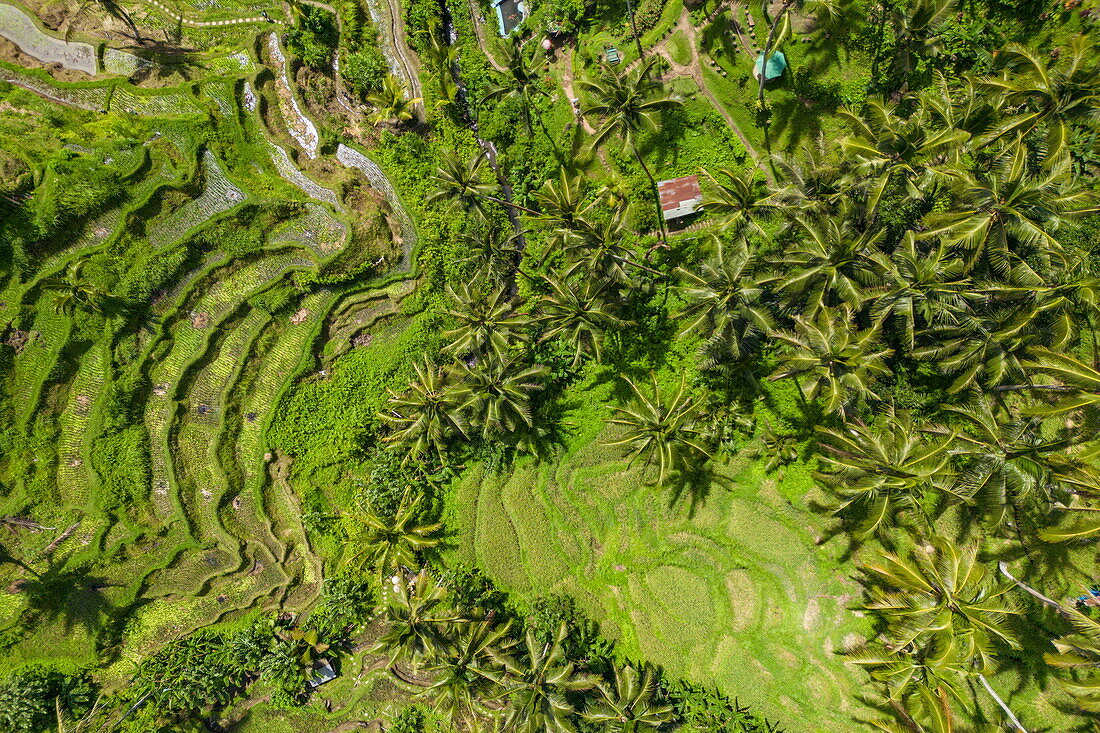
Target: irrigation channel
[[211, 364]]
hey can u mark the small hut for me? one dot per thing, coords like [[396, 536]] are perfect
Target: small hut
[[773, 68], [679, 196]]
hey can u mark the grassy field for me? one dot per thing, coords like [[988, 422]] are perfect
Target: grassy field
[[738, 594]]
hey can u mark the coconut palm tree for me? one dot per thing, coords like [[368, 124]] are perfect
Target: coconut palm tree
[[918, 687], [388, 543], [417, 620], [522, 80], [629, 705], [880, 470], [580, 314], [663, 433], [493, 252], [924, 288], [986, 350], [1049, 94], [496, 395], [940, 603], [832, 362], [1007, 213], [462, 671], [484, 323], [909, 150], [831, 263], [539, 684], [1009, 463], [426, 415], [624, 105], [918, 27], [392, 106], [741, 198], [562, 201], [460, 183], [817, 178], [726, 300], [1079, 380], [1079, 652], [597, 249]]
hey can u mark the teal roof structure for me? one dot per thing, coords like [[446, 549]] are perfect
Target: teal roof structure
[[777, 64]]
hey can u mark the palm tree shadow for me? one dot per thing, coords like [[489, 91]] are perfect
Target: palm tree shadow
[[71, 595], [695, 484]]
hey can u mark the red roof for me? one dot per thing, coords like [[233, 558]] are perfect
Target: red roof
[[678, 191]]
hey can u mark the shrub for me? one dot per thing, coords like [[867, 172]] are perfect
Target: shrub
[[365, 70], [409, 720], [30, 697], [313, 38]]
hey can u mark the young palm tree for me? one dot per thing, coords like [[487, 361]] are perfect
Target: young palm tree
[[521, 80], [417, 620], [727, 301], [426, 415], [883, 469], [1049, 94], [539, 684], [741, 198], [625, 104], [663, 433], [940, 603], [463, 670], [580, 314], [909, 150], [484, 323], [73, 292], [1008, 214], [497, 396], [629, 706], [391, 104], [386, 543], [831, 263], [840, 364]]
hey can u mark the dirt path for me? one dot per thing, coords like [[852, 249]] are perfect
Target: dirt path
[[694, 70], [180, 18], [479, 31], [570, 94]]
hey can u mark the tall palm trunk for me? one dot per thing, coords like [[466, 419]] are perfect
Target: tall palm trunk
[[663, 232], [1004, 707], [1049, 602], [634, 28]]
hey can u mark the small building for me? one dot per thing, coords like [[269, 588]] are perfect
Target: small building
[[612, 55], [773, 69], [679, 196], [322, 673], [510, 13]]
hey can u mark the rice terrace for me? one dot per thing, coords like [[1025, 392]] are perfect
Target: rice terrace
[[549, 366]]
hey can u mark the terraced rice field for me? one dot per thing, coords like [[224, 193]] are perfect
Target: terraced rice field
[[213, 530], [739, 594]]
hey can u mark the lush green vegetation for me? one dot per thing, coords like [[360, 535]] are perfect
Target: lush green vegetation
[[349, 340]]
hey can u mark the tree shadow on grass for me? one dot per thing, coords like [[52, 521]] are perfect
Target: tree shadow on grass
[[695, 484], [73, 596]]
